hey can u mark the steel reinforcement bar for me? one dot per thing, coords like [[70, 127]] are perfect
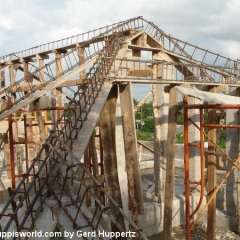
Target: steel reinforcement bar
[[54, 152]]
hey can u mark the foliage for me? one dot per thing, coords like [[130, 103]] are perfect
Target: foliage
[[146, 132], [148, 125], [180, 113], [147, 136], [144, 111], [179, 138], [222, 139], [49, 115]]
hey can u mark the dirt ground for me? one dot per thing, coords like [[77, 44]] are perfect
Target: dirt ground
[[198, 233], [178, 233]]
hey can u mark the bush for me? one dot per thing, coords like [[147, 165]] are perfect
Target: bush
[[147, 136], [148, 125], [179, 138]]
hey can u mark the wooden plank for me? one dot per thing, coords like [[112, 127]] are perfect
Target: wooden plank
[[169, 182], [25, 87], [130, 144], [140, 73], [108, 138], [145, 146], [141, 48], [143, 80]]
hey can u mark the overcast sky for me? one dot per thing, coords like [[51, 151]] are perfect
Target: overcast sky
[[211, 24]]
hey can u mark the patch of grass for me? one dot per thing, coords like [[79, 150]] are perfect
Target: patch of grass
[[147, 136]]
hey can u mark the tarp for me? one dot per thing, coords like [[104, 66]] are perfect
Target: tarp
[[209, 97]]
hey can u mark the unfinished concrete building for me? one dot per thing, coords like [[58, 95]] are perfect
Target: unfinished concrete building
[[70, 158]]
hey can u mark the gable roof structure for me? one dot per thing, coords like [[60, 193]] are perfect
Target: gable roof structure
[[88, 65]]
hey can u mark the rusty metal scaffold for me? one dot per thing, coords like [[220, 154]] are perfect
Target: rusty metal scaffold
[[193, 217]]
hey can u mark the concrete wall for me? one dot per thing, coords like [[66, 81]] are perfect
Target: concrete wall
[[152, 220], [146, 160]]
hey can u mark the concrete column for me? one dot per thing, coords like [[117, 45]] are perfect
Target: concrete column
[[162, 100], [194, 137], [232, 117]]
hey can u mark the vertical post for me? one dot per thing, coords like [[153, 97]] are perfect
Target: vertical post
[[2, 78], [122, 174], [11, 146], [29, 147], [130, 144], [232, 143], [160, 114], [11, 132], [95, 166], [41, 65], [158, 154], [81, 56], [108, 137], [186, 167], [194, 137], [42, 115], [40, 123], [211, 219], [56, 94], [238, 172], [26, 142], [6, 139], [169, 181]]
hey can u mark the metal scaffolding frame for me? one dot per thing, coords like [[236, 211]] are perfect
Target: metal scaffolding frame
[[187, 145]]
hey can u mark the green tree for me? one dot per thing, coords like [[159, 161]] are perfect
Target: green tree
[[148, 125]]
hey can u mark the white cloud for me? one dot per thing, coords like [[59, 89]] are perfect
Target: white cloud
[[209, 24], [28, 23]]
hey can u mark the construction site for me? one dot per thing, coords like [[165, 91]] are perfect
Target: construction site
[[70, 161]]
